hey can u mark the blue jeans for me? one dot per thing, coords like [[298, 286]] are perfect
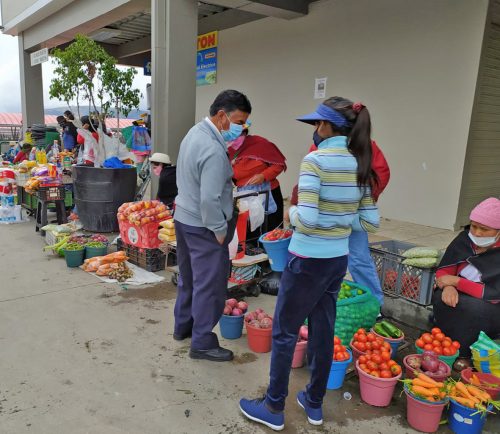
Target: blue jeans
[[308, 289], [361, 265]]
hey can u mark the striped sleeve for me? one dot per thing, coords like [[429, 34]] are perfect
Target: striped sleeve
[[368, 218], [305, 215]]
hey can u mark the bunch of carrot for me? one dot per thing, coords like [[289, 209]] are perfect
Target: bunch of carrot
[[470, 396], [424, 387]]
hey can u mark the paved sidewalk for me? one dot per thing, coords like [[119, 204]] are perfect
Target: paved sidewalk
[[81, 356]]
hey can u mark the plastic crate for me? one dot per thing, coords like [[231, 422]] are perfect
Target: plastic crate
[[50, 193], [143, 236], [397, 279], [149, 259]]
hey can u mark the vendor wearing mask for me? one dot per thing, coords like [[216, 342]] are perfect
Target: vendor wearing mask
[[162, 167], [467, 299]]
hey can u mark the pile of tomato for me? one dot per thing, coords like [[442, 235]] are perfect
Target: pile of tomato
[[379, 365], [340, 353], [278, 234], [369, 343], [438, 342]]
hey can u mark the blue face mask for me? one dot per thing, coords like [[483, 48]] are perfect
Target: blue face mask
[[233, 132], [317, 139]]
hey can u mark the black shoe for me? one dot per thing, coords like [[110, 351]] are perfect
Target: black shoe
[[218, 354], [181, 337]]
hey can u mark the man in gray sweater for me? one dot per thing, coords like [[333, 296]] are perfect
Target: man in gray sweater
[[205, 221]]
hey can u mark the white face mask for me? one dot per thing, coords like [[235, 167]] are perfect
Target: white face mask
[[483, 241]]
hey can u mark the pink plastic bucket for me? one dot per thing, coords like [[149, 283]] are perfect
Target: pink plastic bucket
[[421, 415], [376, 391], [299, 355]]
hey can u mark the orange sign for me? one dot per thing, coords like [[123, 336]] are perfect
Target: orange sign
[[207, 40]]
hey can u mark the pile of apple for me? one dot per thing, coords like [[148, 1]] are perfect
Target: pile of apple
[[234, 307], [259, 319]]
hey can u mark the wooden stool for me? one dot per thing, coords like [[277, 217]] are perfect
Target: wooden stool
[[41, 214]]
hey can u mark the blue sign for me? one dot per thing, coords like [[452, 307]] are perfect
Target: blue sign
[[147, 68], [206, 67]]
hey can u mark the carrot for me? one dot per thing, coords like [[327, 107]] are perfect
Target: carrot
[[422, 383], [478, 393], [442, 395], [424, 391], [428, 379], [474, 380], [463, 390], [464, 401]]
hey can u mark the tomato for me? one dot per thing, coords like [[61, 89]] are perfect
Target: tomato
[[427, 338], [395, 370], [384, 367], [453, 350], [362, 359], [446, 351], [446, 344], [420, 343], [362, 338], [456, 344], [377, 359], [337, 341], [391, 363], [387, 346], [385, 374], [368, 352], [342, 348], [371, 337], [428, 347], [376, 345], [438, 350], [386, 356], [362, 331], [435, 331], [336, 349], [447, 339], [439, 337], [371, 365], [363, 367], [375, 374], [361, 346], [436, 343]]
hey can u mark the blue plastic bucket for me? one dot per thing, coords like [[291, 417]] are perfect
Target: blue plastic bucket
[[231, 327], [461, 421], [337, 373], [277, 251]]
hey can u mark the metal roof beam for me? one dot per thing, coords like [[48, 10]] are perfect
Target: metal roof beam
[[134, 47], [287, 9], [226, 20]]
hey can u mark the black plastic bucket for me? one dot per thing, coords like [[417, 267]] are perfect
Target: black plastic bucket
[[99, 193]]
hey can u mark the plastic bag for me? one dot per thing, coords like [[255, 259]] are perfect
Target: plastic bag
[[271, 283], [253, 204], [421, 252], [114, 148], [141, 141], [261, 189], [233, 246], [486, 355]]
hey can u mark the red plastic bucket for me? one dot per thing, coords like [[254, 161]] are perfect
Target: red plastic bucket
[[241, 230], [259, 340], [410, 372], [376, 391], [421, 415], [491, 379], [299, 355]]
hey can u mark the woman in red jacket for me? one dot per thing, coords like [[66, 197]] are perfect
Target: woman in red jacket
[[256, 160]]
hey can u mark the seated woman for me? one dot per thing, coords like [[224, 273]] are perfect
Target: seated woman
[[467, 299], [256, 160], [167, 185]]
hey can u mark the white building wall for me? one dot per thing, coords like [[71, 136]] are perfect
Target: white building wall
[[413, 63]]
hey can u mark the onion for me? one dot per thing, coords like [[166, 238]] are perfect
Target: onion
[[442, 369], [430, 361], [414, 362]]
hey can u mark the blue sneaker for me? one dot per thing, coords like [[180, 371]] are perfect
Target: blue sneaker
[[257, 411], [314, 415]]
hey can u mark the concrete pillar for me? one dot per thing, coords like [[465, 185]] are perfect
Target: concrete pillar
[[174, 30], [31, 88]]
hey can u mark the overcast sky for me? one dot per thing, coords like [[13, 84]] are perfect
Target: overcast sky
[[10, 89]]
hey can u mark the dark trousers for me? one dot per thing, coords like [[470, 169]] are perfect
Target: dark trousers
[[202, 286], [308, 289], [464, 322]]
